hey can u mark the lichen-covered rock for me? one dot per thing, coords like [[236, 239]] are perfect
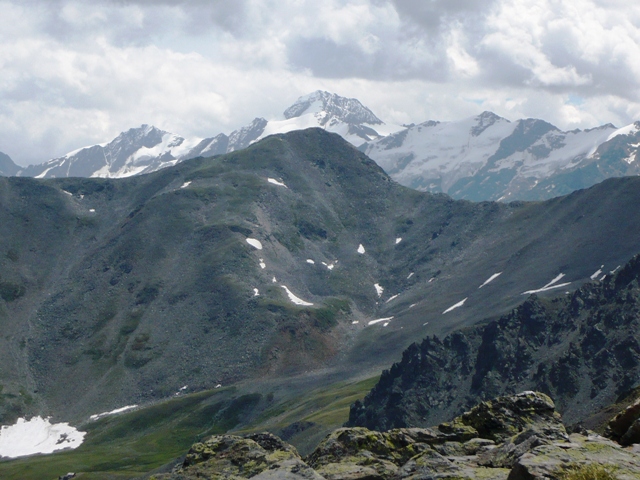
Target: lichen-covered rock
[[548, 461], [261, 456], [505, 417]]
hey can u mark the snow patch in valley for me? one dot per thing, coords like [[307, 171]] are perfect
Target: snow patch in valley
[[294, 299], [398, 240], [380, 320], [379, 289], [68, 193], [38, 435], [276, 182], [262, 264], [256, 292], [361, 249], [392, 298], [457, 305], [410, 275], [549, 286], [185, 184], [254, 243], [490, 279], [112, 412], [311, 262]]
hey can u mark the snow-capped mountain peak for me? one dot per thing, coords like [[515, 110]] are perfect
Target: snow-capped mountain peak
[[329, 107]]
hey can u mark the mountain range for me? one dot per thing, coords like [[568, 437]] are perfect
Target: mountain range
[[484, 157], [292, 266]]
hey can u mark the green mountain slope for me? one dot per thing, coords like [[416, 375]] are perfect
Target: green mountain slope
[[116, 292]]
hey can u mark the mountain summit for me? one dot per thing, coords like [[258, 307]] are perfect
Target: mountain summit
[[331, 108]]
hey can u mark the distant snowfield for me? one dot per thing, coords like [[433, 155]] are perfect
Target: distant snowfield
[[294, 299], [490, 279], [254, 243], [37, 435], [549, 286], [453, 307], [276, 182], [112, 412]]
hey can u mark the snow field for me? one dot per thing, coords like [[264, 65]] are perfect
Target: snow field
[[38, 435]]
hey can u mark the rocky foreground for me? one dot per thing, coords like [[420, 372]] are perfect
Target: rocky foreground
[[518, 437]]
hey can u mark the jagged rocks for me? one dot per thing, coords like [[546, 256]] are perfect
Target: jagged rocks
[[517, 437], [625, 426], [260, 456]]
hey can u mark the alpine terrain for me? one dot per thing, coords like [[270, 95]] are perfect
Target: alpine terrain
[[268, 287]]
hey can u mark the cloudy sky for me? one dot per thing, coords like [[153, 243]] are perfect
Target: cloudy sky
[[75, 73]]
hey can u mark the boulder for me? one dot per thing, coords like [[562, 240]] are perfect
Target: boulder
[[528, 413], [625, 426]]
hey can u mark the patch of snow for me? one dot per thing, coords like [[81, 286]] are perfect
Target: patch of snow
[[457, 305], [380, 320], [185, 184], [218, 386], [597, 273], [256, 292], [614, 270], [311, 262], [545, 289], [385, 324], [355, 322], [294, 299], [398, 240], [410, 275], [262, 264], [361, 249], [555, 280], [37, 435], [628, 130], [432, 279], [392, 298], [490, 279], [113, 412], [330, 266], [425, 324], [379, 289], [254, 243], [276, 182], [92, 210], [68, 193], [603, 277], [274, 280], [413, 305]]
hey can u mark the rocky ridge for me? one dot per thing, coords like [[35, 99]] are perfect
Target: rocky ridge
[[583, 349], [518, 437]]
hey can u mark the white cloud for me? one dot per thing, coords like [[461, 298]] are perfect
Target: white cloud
[[76, 73]]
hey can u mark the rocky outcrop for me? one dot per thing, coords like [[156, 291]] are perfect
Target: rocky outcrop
[[625, 426], [518, 437], [582, 349]]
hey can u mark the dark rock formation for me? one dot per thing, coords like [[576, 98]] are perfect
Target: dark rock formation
[[582, 349]]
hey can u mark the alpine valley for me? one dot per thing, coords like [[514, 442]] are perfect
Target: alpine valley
[[264, 280]]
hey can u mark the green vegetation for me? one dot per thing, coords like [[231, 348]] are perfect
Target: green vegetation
[[590, 471], [137, 442]]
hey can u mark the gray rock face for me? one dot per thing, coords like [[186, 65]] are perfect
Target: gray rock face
[[581, 349]]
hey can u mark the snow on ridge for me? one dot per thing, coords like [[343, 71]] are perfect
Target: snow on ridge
[[626, 130], [112, 412], [38, 435], [457, 305], [380, 320], [597, 273], [254, 243], [294, 299], [545, 289], [276, 182], [490, 279]]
